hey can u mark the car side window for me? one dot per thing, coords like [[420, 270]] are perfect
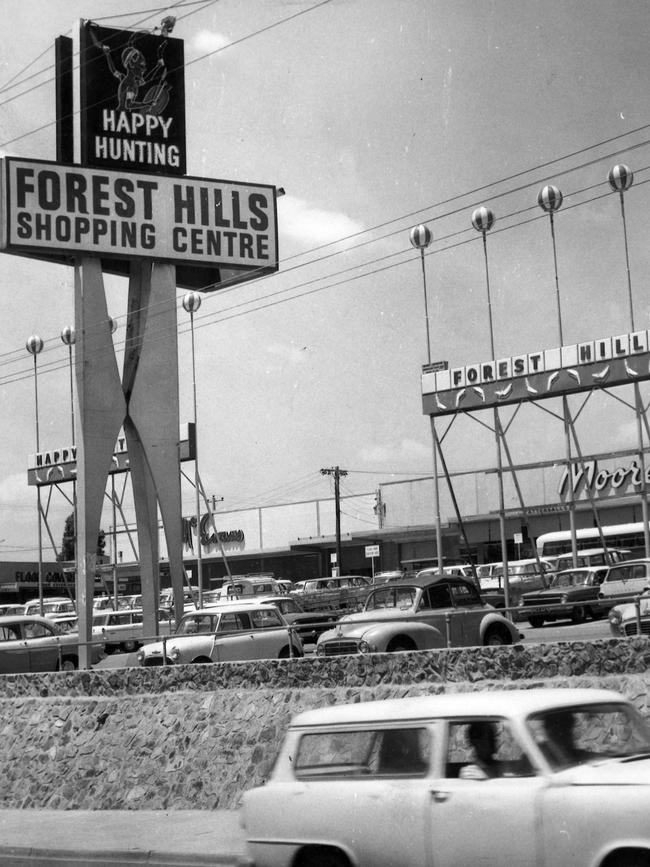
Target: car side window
[[234, 621], [465, 594], [638, 571], [9, 633], [374, 752], [621, 573], [482, 749], [437, 596], [36, 630], [265, 618]]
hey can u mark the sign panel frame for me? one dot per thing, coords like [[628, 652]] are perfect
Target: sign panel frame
[[208, 228]]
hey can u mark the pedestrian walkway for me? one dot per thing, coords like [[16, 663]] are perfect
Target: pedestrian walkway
[[107, 838]]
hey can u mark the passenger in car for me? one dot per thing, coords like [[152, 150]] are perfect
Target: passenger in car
[[482, 737]]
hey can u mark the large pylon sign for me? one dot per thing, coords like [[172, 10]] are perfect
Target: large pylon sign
[[118, 200], [606, 362]]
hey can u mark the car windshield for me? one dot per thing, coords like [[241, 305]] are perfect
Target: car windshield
[[392, 597], [594, 732], [569, 579]]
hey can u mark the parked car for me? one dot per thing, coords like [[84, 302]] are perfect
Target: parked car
[[426, 612], [628, 578], [308, 624], [385, 577], [241, 588], [573, 595], [333, 593], [11, 609], [226, 633], [60, 609], [382, 783], [31, 643], [590, 557], [123, 630], [623, 618]]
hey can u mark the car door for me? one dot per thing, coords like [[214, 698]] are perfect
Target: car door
[[495, 820], [43, 646], [353, 791], [14, 654], [234, 639], [437, 609]]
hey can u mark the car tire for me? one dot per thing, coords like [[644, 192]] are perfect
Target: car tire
[[321, 856], [286, 653], [69, 663], [629, 858], [201, 660], [536, 621], [496, 636], [400, 645], [129, 646], [578, 614]]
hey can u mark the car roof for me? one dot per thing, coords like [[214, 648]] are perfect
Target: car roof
[[421, 580], [519, 703], [601, 567], [226, 606], [25, 618]]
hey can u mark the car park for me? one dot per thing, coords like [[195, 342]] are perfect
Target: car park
[[396, 782], [30, 643], [628, 578], [573, 595], [122, 630], [631, 618], [232, 631], [423, 613]]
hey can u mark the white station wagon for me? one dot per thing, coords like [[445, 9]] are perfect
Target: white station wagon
[[409, 782], [230, 632]]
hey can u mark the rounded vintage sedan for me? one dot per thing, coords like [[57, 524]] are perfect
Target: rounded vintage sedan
[[421, 613], [31, 643], [631, 618], [406, 782]]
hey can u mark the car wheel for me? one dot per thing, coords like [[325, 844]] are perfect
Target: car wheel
[[629, 858], [536, 621], [496, 636], [129, 646], [400, 644], [69, 663], [578, 614], [321, 856]]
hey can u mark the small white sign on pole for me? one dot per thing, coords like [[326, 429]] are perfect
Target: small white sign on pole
[[372, 551]]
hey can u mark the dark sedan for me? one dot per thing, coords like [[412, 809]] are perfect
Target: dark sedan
[[308, 624], [573, 595]]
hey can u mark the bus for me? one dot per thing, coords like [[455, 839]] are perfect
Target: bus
[[624, 536]]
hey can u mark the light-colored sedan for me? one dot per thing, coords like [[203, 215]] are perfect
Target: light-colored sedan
[[423, 613], [230, 632], [30, 643], [408, 782], [623, 620]]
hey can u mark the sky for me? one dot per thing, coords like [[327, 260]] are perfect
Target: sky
[[374, 116]]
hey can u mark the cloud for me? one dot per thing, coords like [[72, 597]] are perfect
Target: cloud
[[313, 226], [394, 455], [207, 41]]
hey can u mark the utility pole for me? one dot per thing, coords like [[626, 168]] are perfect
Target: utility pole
[[337, 472], [215, 500]]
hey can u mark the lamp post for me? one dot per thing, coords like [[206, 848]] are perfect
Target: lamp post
[[483, 220], [420, 237], [34, 345], [191, 304], [620, 179], [69, 337]]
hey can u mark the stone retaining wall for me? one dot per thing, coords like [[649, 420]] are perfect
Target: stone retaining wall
[[194, 737]]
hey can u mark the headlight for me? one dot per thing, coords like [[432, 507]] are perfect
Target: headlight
[[364, 647], [565, 598], [141, 657], [320, 650], [615, 617], [174, 654]]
